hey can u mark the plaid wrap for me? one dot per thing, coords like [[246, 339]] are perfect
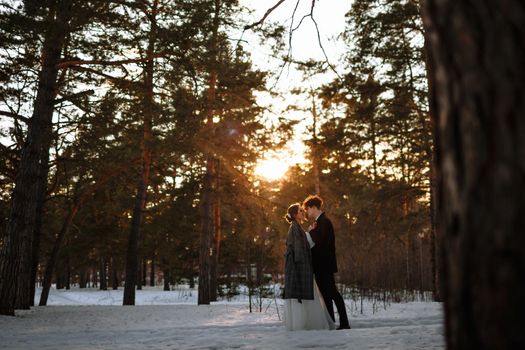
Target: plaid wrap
[[298, 271]]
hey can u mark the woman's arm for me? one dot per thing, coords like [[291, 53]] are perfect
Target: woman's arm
[[298, 235]]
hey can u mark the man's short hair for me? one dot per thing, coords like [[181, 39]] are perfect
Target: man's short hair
[[313, 201]]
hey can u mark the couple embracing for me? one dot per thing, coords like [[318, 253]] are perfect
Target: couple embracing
[[309, 285]]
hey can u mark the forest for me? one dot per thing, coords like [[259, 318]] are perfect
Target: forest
[[132, 135]]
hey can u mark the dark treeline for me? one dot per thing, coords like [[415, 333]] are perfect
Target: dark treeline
[[133, 130], [151, 132]]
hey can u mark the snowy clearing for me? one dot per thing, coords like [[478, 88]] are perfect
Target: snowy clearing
[[92, 319]]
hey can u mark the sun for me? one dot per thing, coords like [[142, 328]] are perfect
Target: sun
[[271, 169]]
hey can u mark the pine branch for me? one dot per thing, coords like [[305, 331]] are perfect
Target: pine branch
[[78, 62], [74, 96]]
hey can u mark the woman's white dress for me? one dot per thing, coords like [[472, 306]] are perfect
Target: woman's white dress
[[309, 314]]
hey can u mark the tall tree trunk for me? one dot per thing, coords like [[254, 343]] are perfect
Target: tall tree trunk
[[17, 251], [478, 54], [132, 258], [214, 268], [205, 239], [433, 152], [37, 234], [207, 201]]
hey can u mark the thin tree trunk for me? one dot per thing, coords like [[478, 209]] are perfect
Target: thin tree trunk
[[114, 275], [205, 241], [144, 271], [132, 259], [68, 274], [207, 201], [166, 273], [152, 272], [435, 243], [192, 280], [478, 54], [216, 240], [103, 275], [16, 265], [139, 273]]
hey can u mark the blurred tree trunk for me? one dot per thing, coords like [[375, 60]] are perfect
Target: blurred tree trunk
[[16, 258], [478, 53]]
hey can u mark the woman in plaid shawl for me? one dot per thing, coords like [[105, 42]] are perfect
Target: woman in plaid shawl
[[304, 307]]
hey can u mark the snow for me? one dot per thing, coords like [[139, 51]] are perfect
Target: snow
[[93, 319]]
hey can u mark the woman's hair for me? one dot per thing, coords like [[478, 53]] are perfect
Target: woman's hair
[[291, 213]]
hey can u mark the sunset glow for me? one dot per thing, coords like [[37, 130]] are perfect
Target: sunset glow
[[271, 169]]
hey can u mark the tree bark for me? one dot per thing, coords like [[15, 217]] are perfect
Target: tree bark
[[206, 249], [132, 259], [478, 50], [15, 267], [37, 234]]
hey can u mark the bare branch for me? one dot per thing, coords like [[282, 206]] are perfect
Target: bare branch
[[261, 21], [16, 116], [320, 42]]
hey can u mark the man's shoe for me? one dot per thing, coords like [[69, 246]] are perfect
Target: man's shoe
[[344, 327]]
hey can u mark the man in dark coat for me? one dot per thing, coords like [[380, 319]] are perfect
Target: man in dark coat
[[323, 259]]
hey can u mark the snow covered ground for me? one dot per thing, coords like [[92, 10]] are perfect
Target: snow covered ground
[[92, 319]]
